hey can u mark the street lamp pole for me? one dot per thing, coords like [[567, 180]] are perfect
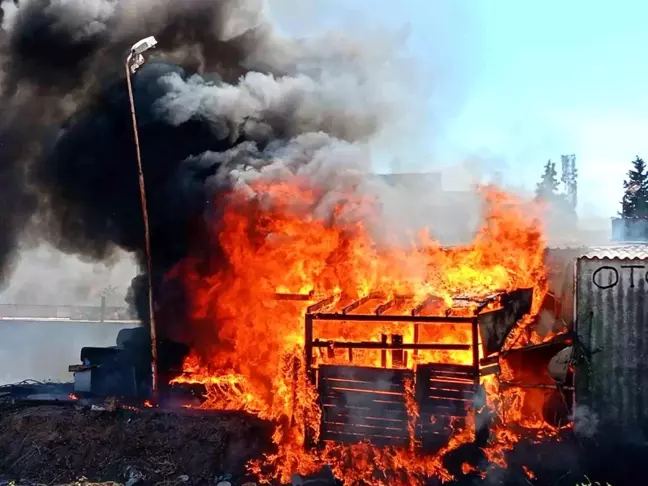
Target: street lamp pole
[[134, 60]]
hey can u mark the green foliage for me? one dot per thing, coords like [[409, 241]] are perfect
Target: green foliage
[[548, 186], [635, 197], [562, 203]]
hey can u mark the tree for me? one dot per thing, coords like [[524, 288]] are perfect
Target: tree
[[569, 179], [635, 197], [560, 209], [548, 185]]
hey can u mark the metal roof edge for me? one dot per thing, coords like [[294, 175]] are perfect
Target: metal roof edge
[[627, 251]]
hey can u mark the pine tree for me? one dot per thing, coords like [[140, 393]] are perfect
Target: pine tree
[[635, 198], [569, 179], [560, 207], [548, 185]]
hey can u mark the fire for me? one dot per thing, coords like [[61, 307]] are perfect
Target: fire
[[248, 345], [529, 473]]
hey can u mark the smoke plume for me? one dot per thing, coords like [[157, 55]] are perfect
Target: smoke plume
[[44, 276], [225, 100], [586, 422]]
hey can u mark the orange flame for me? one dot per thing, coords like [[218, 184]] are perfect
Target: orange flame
[[248, 346]]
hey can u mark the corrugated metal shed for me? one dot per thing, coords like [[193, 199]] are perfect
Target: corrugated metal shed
[[612, 325], [636, 251]]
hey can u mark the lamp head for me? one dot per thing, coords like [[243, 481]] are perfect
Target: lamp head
[[143, 45]]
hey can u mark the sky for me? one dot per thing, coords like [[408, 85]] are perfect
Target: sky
[[514, 84]]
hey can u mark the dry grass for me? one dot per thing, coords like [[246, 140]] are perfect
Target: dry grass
[[590, 483]]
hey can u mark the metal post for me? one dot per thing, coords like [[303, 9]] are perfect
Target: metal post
[[309, 440], [308, 348], [147, 237], [475, 353], [102, 315], [575, 324], [475, 348]]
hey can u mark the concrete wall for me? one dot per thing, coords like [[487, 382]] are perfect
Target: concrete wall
[[43, 349]]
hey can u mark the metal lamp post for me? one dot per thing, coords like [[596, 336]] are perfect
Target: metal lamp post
[[134, 61]]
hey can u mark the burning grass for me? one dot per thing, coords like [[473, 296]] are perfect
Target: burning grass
[[247, 344]]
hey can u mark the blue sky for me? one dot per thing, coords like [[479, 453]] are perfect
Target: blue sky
[[519, 82]]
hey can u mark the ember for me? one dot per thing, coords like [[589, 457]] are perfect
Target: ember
[[286, 267]]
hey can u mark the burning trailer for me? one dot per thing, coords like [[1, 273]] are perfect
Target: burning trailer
[[352, 348], [407, 387], [395, 371]]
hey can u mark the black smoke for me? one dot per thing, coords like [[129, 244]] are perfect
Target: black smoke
[[225, 100], [90, 173]]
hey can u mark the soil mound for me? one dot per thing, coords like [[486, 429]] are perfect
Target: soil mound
[[60, 444]]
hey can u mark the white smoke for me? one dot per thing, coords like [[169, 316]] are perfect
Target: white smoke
[[339, 106], [9, 11], [586, 421], [45, 276]]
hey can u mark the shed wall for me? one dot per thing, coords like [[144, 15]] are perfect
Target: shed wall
[[612, 318]]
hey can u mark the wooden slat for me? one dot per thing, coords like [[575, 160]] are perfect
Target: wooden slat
[[298, 297], [395, 429], [368, 408], [333, 414], [430, 402], [491, 360], [452, 374], [334, 344], [367, 374], [367, 421], [489, 370], [444, 367], [423, 378], [452, 378], [429, 428], [363, 403], [468, 387], [337, 389], [318, 306], [450, 410], [433, 406], [433, 436], [361, 302], [431, 433], [365, 430], [349, 438], [332, 384], [359, 399], [442, 422], [449, 393]]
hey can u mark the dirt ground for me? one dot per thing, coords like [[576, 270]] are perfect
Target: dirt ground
[[60, 444]]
